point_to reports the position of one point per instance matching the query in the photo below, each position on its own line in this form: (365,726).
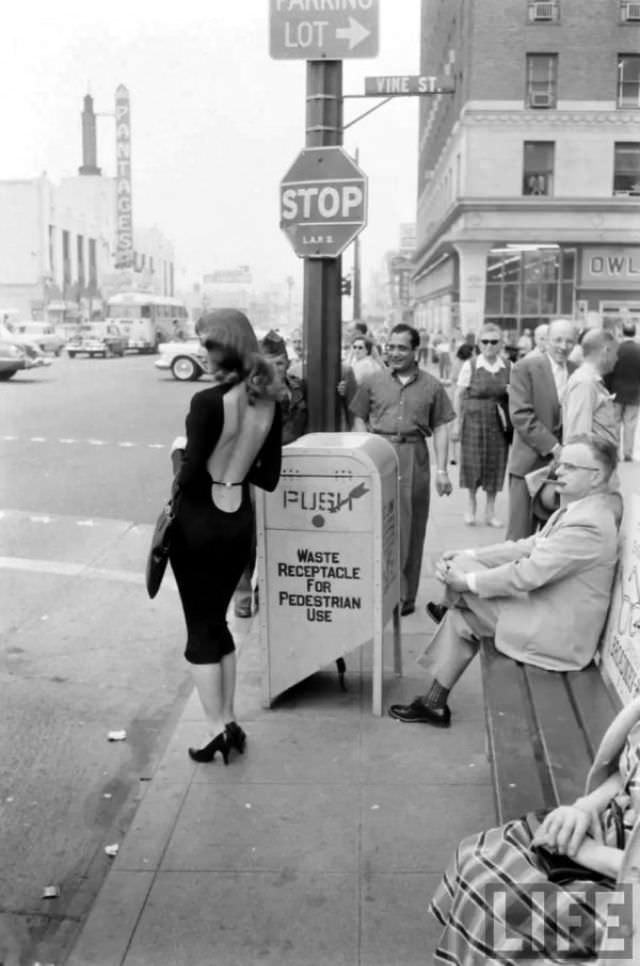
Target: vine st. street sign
(323,202)
(323,29)
(406,85)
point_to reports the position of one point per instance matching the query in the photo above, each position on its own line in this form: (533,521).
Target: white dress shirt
(560,376)
(464,377)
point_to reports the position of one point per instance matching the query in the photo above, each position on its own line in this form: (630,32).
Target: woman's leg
(490,514)
(209,685)
(472,506)
(228,665)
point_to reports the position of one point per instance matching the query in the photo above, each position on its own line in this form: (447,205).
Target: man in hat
(293,405)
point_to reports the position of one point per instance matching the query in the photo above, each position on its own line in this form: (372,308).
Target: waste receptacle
(328,558)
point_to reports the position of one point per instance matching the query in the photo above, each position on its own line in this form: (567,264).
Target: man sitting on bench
(544,598)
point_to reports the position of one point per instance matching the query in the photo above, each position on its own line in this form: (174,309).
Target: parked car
(97,339)
(187,361)
(13,358)
(41,335)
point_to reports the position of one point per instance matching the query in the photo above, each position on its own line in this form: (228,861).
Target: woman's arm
(265,471)
(204,424)
(565,829)
(600,858)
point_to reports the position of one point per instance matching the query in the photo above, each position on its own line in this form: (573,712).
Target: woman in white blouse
(480,403)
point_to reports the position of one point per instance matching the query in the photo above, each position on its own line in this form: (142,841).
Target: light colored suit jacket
(535,412)
(555,586)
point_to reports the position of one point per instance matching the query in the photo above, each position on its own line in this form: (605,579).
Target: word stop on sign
(317,203)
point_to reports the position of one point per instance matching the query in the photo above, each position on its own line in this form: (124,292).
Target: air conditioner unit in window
(543,11)
(540,99)
(631,11)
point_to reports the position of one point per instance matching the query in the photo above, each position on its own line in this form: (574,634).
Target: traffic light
(345,285)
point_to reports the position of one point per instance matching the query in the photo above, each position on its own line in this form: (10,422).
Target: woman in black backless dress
(233,439)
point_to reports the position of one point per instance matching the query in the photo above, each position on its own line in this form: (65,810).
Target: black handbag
(561,869)
(158,555)
(505,420)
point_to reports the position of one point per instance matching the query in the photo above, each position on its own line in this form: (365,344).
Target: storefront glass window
(525,288)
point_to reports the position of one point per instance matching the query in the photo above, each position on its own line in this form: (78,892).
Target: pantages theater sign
(124,216)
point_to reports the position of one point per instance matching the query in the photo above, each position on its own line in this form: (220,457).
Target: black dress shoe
(436,611)
(407,607)
(418,711)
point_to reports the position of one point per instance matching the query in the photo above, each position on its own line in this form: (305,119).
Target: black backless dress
(209,547)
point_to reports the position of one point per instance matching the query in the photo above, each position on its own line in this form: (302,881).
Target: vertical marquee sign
(124,216)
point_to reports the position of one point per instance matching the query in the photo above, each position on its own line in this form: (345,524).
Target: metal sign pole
(322,312)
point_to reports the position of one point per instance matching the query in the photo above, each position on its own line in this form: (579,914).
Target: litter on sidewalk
(117,736)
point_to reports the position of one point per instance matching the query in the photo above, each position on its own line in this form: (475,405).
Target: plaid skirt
(497,908)
(483,447)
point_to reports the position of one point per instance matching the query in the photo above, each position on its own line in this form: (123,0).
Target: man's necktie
(552,522)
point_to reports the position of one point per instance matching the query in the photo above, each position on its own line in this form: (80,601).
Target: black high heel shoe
(236,737)
(208,753)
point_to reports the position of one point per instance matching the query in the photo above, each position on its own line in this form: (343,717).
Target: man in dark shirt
(624,382)
(406,405)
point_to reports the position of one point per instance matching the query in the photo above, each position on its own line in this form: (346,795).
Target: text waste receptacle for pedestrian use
(328,556)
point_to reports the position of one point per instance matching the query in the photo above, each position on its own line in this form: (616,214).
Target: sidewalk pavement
(323,844)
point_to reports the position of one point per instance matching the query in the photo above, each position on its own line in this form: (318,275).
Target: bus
(147,319)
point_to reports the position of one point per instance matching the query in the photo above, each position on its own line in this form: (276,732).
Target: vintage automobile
(97,339)
(41,335)
(187,361)
(13,358)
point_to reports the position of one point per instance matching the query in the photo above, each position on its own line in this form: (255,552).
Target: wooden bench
(543,729)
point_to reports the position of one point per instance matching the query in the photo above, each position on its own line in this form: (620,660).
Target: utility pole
(322,324)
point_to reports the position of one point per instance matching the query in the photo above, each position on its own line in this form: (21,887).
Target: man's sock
(436,697)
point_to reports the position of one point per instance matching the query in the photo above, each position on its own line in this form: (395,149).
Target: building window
(628,80)
(93,267)
(542,76)
(626,168)
(525,287)
(66,261)
(81,274)
(537,177)
(544,11)
(52,252)
(629,11)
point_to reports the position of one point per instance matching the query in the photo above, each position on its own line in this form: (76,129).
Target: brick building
(529,174)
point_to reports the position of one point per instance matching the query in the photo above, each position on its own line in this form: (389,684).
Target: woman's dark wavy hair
(252,369)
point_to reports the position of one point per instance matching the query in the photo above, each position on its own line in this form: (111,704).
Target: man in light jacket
(544,598)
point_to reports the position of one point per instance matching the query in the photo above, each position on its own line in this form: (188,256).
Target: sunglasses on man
(489,341)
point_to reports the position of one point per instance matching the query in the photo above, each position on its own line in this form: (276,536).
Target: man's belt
(400,437)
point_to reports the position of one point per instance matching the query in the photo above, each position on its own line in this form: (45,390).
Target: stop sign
(323,202)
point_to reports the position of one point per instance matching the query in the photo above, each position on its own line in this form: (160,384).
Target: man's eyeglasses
(576,466)
(489,341)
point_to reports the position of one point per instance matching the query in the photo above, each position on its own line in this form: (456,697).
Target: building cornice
(437,244)
(548,117)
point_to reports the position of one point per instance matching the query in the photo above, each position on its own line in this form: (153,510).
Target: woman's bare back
(244,430)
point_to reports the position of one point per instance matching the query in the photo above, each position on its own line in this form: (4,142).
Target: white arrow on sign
(355,33)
